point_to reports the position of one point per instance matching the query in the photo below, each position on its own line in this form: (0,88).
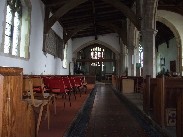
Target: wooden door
(96,71)
(173,66)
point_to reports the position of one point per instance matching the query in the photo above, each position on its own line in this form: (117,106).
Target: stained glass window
(97,53)
(65,56)
(12,30)
(141,55)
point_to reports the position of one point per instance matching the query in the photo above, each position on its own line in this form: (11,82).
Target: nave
(112,117)
(104,114)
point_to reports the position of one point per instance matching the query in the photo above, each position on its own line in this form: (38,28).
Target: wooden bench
(160,99)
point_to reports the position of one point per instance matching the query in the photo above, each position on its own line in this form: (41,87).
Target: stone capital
(149,30)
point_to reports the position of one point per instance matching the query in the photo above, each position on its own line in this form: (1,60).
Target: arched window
(97,53)
(17,26)
(65,56)
(13,26)
(141,55)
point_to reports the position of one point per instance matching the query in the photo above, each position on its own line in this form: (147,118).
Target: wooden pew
(150,85)
(114,80)
(160,96)
(16,116)
(179,123)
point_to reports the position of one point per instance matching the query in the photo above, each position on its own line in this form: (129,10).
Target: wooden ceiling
(81,18)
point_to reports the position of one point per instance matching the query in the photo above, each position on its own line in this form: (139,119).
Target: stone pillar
(131,61)
(130,65)
(120,63)
(117,65)
(148,43)
(178,64)
(122,59)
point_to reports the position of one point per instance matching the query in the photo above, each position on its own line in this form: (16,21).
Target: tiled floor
(110,117)
(137,100)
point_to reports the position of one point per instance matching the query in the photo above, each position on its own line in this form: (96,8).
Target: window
(97,53)
(65,56)
(141,55)
(17,26)
(13,26)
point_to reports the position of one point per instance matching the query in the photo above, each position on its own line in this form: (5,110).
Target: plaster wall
(170,54)
(111,39)
(38,63)
(175,19)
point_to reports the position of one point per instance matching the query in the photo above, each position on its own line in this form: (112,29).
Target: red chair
(57,87)
(46,81)
(84,83)
(73,83)
(68,85)
(78,83)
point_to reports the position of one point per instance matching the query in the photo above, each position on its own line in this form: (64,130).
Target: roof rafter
(126,11)
(75,31)
(61,11)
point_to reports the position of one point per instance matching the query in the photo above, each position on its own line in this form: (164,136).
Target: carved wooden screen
(173,66)
(53,44)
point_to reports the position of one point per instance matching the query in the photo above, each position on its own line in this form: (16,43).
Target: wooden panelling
(16,116)
(114,81)
(179,123)
(90,79)
(158,102)
(1,103)
(161,95)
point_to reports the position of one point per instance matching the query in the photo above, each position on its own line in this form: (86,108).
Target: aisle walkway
(111,118)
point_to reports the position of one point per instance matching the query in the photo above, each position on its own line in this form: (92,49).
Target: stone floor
(102,112)
(111,117)
(137,100)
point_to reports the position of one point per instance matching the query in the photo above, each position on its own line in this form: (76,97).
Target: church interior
(91,68)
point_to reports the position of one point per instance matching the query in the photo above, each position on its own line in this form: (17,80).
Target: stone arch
(95,42)
(172,28)
(177,38)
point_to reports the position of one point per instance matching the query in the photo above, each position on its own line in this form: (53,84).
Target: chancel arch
(177,39)
(95,42)
(96,59)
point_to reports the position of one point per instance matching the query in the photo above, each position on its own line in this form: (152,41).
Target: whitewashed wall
(170,54)
(110,39)
(38,62)
(175,19)
(2,16)
(59,68)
